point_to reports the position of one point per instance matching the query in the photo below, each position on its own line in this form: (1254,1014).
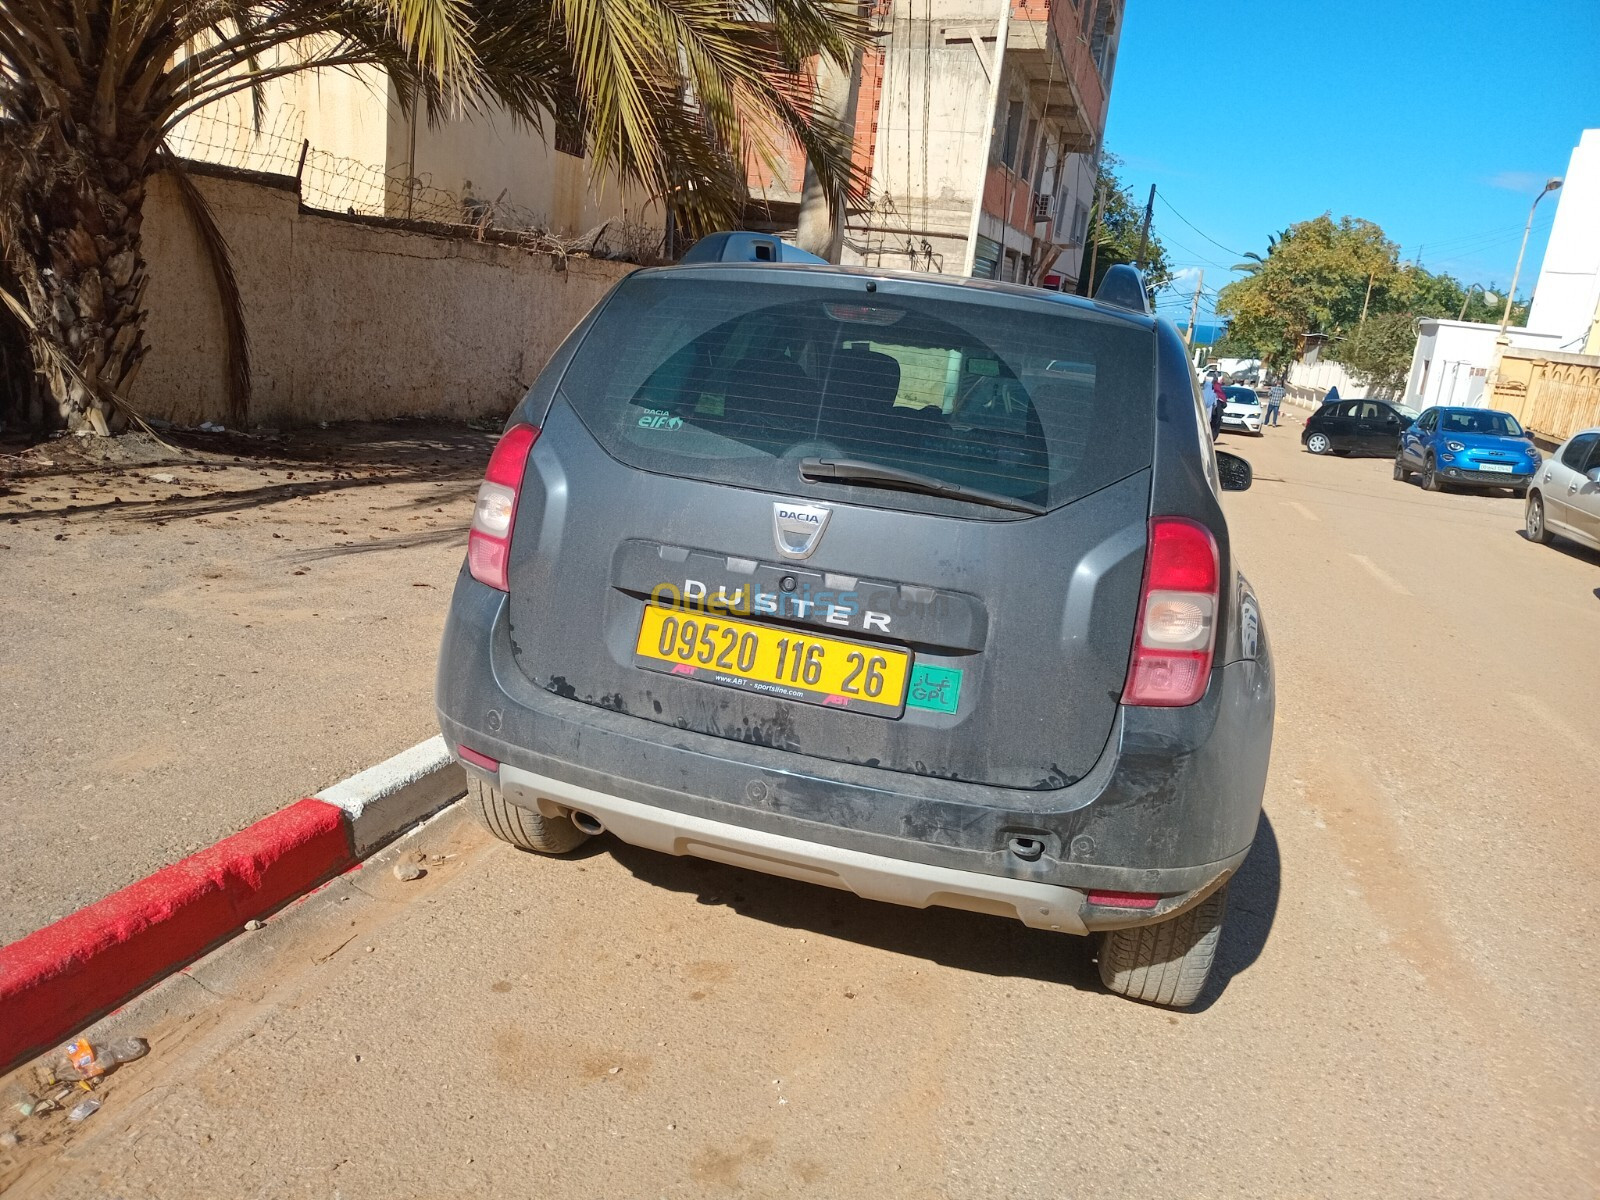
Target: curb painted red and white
(60,978)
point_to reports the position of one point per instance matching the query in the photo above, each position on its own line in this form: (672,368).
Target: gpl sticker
(937,689)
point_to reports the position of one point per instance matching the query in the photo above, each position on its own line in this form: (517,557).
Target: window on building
(1012,135)
(1080,223)
(1029,146)
(1102,40)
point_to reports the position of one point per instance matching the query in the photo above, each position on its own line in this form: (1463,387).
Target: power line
(1197,229)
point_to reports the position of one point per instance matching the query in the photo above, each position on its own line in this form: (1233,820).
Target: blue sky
(1438,120)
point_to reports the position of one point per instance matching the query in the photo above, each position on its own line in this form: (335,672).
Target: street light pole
(1505,315)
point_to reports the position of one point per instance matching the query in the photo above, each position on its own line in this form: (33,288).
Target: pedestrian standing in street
(1219,402)
(1274,403)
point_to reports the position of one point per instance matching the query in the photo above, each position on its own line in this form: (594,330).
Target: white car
(1242,411)
(1564,494)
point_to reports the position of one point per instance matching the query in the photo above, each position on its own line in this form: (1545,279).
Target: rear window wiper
(850,470)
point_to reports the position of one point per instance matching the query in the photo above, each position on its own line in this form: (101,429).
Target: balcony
(1047,46)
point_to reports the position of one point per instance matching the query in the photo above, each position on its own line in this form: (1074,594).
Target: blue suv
(1467,447)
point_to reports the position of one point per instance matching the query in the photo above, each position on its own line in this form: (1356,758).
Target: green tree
(672,94)
(1342,281)
(1314,280)
(1116,231)
(1378,351)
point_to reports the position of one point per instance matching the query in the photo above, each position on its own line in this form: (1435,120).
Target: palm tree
(1258,261)
(674,95)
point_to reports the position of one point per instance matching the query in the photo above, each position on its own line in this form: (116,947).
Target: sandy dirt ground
(1403,1006)
(192,640)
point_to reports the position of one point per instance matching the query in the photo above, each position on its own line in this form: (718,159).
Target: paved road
(1405,1005)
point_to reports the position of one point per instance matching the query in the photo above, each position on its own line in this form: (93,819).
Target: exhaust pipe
(587,822)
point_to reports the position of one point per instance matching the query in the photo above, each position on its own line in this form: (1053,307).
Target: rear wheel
(1169,962)
(1400,471)
(1318,443)
(523,829)
(1533,520)
(1430,477)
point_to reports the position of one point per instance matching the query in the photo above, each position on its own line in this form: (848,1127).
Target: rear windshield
(739,382)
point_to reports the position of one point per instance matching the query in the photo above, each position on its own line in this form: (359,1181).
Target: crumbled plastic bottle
(81,1060)
(84,1109)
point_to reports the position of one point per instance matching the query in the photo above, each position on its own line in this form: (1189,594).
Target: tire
(1318,443)
(523,829)
(1169,962)
(1400,471)
(1533,523)
(1430,478)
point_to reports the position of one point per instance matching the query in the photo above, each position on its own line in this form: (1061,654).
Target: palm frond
(218,257)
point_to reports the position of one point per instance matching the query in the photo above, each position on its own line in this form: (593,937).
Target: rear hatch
(885,522)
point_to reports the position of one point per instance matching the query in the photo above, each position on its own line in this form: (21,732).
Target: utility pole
(986,135)
(1194,310)
(1144,234)
(1371,275)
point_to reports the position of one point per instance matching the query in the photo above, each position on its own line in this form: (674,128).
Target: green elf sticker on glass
(937,689)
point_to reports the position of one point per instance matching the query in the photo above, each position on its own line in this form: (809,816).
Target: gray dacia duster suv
(912,586)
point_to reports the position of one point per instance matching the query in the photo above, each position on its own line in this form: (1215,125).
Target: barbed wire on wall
(222,134)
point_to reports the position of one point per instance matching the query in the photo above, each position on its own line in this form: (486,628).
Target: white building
(1453,359)
(1451,363)
(1567,296)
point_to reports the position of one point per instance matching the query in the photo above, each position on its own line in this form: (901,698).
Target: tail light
(1177,616)
(489,541)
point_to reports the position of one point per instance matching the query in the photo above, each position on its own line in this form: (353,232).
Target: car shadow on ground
(1571,549)
(964,941)
(1252,908)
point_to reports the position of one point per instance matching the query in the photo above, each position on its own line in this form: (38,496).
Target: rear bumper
(1171,807)
(871,876)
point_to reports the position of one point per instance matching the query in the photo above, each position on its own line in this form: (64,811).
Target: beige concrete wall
(1552,393)
(504,160)
(364,154)
(349,320)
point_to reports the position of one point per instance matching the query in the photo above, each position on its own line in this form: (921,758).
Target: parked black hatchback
(1356,426)
(911,586)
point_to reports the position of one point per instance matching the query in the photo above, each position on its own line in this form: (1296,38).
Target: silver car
(1564,497)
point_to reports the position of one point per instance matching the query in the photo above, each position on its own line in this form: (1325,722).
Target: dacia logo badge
(797,528)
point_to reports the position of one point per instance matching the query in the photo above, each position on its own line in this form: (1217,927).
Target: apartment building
(969,178)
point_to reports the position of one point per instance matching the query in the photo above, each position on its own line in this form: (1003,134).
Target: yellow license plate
(793,663)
